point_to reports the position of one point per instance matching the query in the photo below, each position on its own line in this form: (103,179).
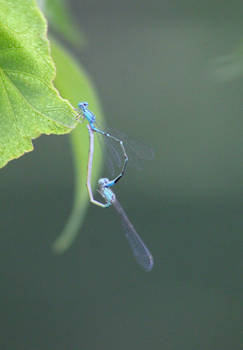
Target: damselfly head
(83,105)
(103,182)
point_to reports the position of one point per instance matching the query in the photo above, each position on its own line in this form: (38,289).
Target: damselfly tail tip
(147,264)
(150,264)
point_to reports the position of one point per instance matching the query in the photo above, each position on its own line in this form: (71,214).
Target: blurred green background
(165,73)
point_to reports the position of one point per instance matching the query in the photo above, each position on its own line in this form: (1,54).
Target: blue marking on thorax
(89,116)
(86,112)
(109,195)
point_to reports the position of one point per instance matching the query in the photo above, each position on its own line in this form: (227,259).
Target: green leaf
(74,84)
(29,103)
(61,20)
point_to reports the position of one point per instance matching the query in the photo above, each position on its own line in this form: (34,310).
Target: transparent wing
(137,151)
(112,155)
(139,249)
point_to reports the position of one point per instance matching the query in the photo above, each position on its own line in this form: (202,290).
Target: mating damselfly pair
(139,249)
